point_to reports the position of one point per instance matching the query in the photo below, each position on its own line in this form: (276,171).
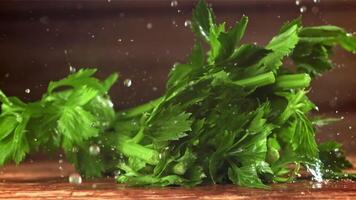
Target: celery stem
(257,81)
(292,81)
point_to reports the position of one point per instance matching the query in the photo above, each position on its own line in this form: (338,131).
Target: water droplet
(75,179)
(160,156)
(303,9)
(350,127)
(337,133)
(61,155)
(127,82)
(94,150)
(349,34)
(302,193)
(92,36)
(132,40)
(297,2)
(154,88)
(109,1)
(119,40)
(187,23)
(342,117)
(72,69)
(7,75)
(316,1)
(60,161)
(317,108)
(174,3)
(35,139)
(27,91)
(149,26)
(175,122)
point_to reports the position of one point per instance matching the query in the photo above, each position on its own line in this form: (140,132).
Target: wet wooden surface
(44,180)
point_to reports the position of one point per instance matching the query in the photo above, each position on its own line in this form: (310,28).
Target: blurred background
(42,40)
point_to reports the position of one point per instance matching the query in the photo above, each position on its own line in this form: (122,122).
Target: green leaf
(314,49)
(333,157)
(170,124)
(245,176)
(7,123)
(230,39)
(15,145)
(76,124)
(282,45)
(202,21)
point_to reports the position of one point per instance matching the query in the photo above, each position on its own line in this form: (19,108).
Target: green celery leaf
(170,124)
(245,176)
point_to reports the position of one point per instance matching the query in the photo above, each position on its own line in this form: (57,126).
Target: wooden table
(44,180)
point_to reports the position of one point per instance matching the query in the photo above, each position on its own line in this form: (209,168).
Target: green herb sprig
(235,114)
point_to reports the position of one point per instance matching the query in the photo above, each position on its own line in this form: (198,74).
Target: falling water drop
(297,2)
(75,179)
(174,3)
(303,9)
(317,108)
(72,69)
(149,26)
(27,91)
(316,1)
(187,23)
(127,82)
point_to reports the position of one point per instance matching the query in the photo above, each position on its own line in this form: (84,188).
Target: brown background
(34,36)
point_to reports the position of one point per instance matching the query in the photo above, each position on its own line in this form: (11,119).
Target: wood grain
(42,181)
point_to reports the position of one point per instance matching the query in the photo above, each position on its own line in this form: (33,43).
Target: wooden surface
(44,180)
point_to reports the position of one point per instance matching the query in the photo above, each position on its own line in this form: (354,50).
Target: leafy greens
(235,114)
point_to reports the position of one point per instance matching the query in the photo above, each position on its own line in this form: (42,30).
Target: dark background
(141,40)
